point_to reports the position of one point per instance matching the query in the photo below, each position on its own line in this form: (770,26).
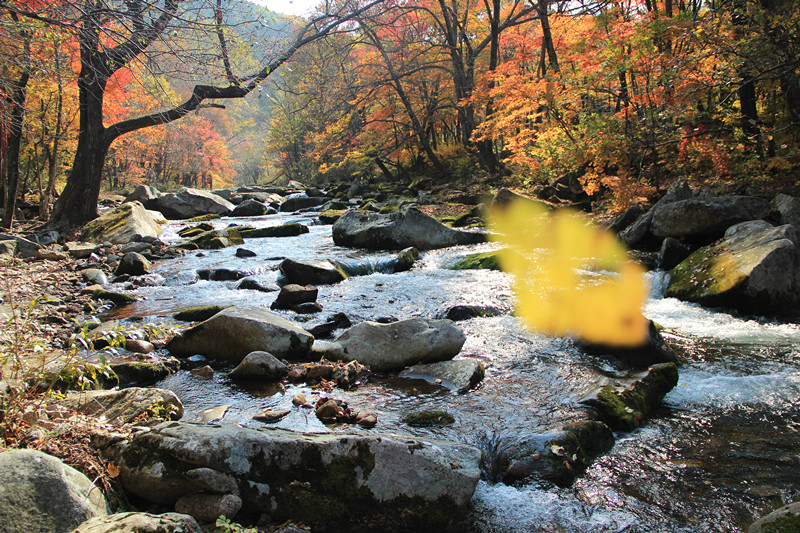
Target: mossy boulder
(121,225)
(783,520)
(291,229)
(204,218)
(339,482)
(216,239)
(323,272)
(752,270)
(329,216)
(198,314)
(624,408)
(482,260)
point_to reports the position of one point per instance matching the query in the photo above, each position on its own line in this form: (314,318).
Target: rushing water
(722,450)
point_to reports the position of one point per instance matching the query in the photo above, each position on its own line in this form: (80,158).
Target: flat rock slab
(236,331)
(126,405)
(140,523)
(460,375)
(343,481)
(398,230)
(394,346)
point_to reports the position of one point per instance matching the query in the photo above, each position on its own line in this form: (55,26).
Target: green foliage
(225,525)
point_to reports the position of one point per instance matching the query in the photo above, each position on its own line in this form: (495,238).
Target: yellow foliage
(546,251)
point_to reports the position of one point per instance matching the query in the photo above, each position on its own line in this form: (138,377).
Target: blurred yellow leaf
(112,469)
(549,254)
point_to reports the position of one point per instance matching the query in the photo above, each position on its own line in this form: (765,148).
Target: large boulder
(249,208)
(752,269)
(133,264)
(323,272)
(398,230)
(236,331)
(260,365)
(302,201)
(788,209)
(144,194)
(216,239)
(339,481)
(639,232)
(705,219)
(130,221)
(394,346)
(190,203)
(140,523)
(40,494)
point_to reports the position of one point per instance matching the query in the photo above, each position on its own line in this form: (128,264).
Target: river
(723,449)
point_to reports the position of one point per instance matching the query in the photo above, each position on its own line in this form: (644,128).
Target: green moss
(388,209)
(484,260)
(188,233)
(429,418)
(198,314)
(287,230)
(203,218)
(331,215)
(214,240)
(140,373)
(108,223)
(785,524)
(188,246)
(571,454)
(705,276)
(625,408)
(117,298)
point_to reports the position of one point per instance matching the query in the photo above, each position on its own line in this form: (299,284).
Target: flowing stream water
(722,450)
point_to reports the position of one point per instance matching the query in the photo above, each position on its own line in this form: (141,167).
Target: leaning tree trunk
(78,201)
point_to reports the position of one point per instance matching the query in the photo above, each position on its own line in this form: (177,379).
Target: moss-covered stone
(189,246)
(117,298)
(203,218)
(387,209)
(214,240)
(784,524)
(140,373)
(483,260)
(331,215)
(82,375)
(429,418)
(192,231)
(291,229)
(198,314)
(624,408)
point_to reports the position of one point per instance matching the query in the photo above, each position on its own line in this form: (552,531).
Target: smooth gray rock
(459,375)
(402,229)
(301,201)
(144,194)
(40,494)
(639,232)
(260,365)
(189,203)
(323,272)
(294,294)
(254,284)
(81,250)
(756,270)
(133,264)
(788,209)
(236,331)
(341,481)
(394,346)
(126,405)
(249,208)
(706,218)
(22,247)
(140,523)
(95,276)
(121,225)
(8,247)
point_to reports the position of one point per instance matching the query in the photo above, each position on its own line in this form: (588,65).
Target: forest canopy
(624,96)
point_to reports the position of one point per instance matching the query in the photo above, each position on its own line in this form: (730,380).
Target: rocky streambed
(518,446)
